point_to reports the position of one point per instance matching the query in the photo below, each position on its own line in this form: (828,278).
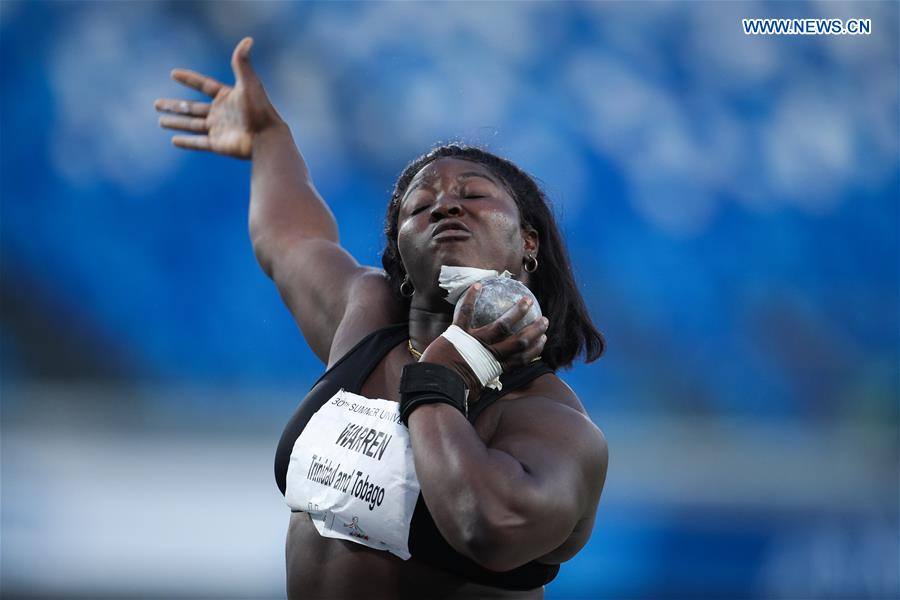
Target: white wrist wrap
(479,358)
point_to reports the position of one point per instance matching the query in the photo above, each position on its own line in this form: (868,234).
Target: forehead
(452,168)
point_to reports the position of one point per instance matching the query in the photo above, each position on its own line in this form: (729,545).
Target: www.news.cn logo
(807,26)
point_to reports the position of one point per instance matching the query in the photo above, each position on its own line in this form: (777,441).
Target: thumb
(240,61)
(463,317)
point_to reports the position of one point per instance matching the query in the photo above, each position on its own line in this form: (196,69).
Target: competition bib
(352,470)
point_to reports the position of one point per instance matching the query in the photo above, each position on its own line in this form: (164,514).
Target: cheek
(507,227)
(403,240)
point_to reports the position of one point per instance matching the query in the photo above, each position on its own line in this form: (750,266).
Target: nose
(447,205)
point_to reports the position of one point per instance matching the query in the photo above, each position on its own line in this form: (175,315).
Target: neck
(428,322)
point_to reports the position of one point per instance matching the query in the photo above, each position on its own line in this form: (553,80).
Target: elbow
(496,554)
(263,251)
(270,248)
(497,542)
(511,535)
(493,558)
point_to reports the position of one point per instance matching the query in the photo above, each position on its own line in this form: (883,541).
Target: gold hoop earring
(408,290)
(531,263)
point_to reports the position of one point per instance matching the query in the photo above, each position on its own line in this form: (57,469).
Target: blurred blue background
(731,208)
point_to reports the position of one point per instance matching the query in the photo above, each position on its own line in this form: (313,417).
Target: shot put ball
(497,295)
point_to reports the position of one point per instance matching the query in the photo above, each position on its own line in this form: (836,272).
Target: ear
(530,239)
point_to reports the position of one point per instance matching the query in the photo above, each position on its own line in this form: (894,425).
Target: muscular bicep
(561,457)
(316,279)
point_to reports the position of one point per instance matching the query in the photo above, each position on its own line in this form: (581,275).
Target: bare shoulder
(547,413)
(371,305)
(551,388)
(549,396)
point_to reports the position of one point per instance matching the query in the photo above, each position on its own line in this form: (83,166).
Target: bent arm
(294,234)
(519,497)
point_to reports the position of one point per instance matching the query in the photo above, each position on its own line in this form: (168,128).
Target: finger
(467,307)
(202,83)
(192,124)
(535,352)
(191,142)
(514,357)
(182,107)
(529,334)
(504,326)
(522,347)
(240,61)
(529,355)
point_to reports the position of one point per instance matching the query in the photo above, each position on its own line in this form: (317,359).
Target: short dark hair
(553,284)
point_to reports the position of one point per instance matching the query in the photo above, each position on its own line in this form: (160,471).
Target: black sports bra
(425,541)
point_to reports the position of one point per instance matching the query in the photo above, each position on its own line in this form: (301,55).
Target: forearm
(284,204)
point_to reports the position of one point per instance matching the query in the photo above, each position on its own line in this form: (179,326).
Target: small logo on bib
(355,530)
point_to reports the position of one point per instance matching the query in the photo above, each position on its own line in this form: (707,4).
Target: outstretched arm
(294,234)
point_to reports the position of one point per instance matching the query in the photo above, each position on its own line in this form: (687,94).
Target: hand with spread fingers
(235,116)
(510,348)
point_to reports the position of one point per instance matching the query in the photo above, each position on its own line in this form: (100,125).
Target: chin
(466,255)
(460,260)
